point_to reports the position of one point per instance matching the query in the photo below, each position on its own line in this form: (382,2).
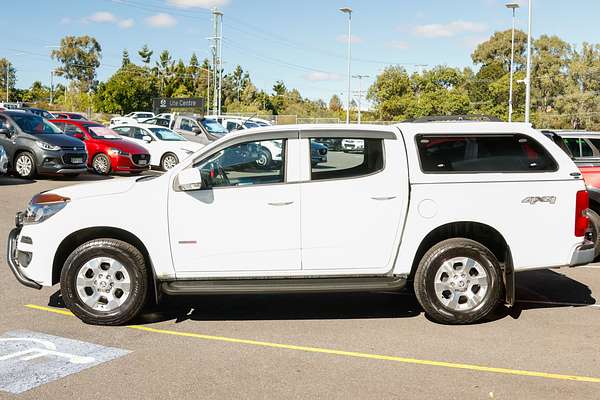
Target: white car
(353,145)
(270,154)
(166,147)
(454,209)
(131,118)
(3,161)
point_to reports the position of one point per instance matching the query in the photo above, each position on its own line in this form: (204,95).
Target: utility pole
(513,7)
(51,86)
(528,78)
(216,47)
(360,92)
(6,65)
(348,11)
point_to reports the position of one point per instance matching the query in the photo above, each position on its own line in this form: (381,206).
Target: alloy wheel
(103,284)
(461,283)
(24,165)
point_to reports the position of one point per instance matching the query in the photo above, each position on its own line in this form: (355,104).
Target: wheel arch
(479,232)
(77,238)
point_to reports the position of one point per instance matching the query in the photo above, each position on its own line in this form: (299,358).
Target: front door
(243,219)
(352,210)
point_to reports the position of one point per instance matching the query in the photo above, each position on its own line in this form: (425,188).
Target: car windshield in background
(35,125)
(145,116)
(249,124)
(213,126)
(101,132)
(166,134)
(77,116)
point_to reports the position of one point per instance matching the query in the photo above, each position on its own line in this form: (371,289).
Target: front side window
(482,153)
(232,126)
(241,165)
(167,134)
(126,131)
(187,125)
(579,147)
(359,157)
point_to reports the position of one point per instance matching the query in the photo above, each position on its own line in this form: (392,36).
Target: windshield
(166,134)
(35,125)
(213,126)
(101,132)
(145,116)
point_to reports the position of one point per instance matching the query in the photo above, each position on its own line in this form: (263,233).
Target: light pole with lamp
(528,77)
(348,10)
(513,7)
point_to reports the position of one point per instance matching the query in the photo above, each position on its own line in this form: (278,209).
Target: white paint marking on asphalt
(30,359)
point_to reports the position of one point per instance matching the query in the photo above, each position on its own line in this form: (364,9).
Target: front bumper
(127,164)
(13,264)
(583,254)
(62,162)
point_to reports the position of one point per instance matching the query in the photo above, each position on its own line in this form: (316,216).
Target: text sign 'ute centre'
(184,102)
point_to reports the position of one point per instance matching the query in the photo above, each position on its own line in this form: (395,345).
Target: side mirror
(79,136)
(147,138)
(196,130)
(189,179)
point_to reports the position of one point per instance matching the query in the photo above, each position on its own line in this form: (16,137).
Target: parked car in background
(10,105)
(434,225)
(131,118)
(69,115)
(198,129)
(107,150)
(36,146)
(39,112)
(3,161)
(353,145)
(166,148)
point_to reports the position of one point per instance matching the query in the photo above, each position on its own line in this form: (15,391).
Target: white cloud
(322,76)
(353,39)
(397,44)
(450,29)
(161,20)
(197,3)
(125,23)
(102,16)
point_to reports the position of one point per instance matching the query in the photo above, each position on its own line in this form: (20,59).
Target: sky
(303,43)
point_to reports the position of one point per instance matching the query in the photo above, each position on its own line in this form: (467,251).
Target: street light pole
(6,65)
(528,77)
(513,7)
(51,86)
(348,10)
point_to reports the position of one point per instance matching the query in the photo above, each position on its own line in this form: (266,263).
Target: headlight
(48,146)
(42,206)
(116,152)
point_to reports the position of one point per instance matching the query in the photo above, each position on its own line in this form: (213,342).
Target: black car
(34,145)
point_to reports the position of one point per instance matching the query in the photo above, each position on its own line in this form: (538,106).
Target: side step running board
(286,285)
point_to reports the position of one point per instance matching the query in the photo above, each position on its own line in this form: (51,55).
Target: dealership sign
(183,102)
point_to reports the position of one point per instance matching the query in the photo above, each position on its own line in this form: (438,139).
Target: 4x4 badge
(539,199)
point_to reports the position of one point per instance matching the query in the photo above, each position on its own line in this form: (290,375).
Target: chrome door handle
(281,203)
(384,198)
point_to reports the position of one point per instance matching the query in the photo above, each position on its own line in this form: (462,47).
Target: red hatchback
(107,151)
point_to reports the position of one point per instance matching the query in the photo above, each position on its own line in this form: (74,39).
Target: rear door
(353,205)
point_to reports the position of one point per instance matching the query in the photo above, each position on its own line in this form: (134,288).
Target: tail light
(581,219)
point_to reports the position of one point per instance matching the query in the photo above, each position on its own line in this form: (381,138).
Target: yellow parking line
(404,360)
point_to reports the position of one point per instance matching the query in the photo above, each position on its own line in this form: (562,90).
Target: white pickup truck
(452,208)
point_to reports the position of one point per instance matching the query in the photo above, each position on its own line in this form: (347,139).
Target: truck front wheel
(458,281)
(104,282)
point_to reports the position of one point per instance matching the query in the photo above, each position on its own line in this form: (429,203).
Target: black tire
(133,262)
(425,278)
(26,157)
(164,160)
(101,164)
(594,230)
(265,159)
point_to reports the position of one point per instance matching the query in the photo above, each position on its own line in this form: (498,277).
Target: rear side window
(343,158)
(483,153)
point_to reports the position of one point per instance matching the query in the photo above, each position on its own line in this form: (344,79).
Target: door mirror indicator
(189,179)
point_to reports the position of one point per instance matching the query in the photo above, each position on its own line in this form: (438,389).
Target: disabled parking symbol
(30,359)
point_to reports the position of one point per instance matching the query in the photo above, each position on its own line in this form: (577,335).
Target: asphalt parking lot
(371,346)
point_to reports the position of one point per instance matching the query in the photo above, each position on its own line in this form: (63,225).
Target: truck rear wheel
(104,282)
(594,230)
(458,281)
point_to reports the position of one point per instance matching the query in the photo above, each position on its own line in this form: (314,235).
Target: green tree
(391,93)
(129,89)
(497,49)
(551,59)
(145,54)
(80,57)
(6,68)
(335,103)
(37,92)
(125,58)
